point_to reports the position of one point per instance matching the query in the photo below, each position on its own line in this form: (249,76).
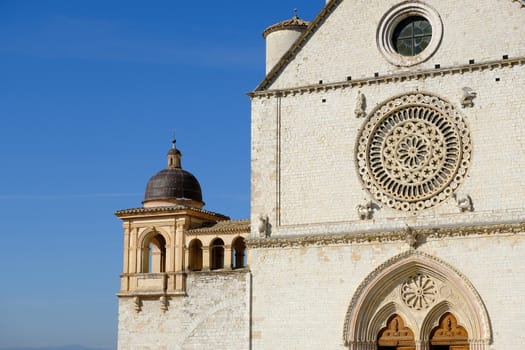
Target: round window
(412,35)
(409,33)
(413,152)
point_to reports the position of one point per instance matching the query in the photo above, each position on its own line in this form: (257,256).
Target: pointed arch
(372,302)
(381,317)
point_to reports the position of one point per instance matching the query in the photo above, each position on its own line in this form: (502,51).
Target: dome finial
(296,13)
(174,155)
(174,141)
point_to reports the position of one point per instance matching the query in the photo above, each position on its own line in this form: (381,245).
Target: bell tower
(177,258)
(154,244)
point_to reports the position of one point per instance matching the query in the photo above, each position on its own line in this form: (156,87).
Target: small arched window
(195,255)
(217,254)
(154,260)
(238,253)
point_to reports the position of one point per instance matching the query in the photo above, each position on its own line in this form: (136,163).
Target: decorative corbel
(138,304)
(164,303)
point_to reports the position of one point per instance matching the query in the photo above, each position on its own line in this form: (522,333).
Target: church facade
(387,205)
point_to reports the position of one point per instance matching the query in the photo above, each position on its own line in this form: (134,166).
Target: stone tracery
(374,302)
(413,152)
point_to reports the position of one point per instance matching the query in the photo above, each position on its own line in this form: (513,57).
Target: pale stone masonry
(213,314)
(387,192)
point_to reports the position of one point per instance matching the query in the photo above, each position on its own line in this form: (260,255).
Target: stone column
(227,256)
(133,253)
(180,227)
(205,258)
(422,345)
(124,281)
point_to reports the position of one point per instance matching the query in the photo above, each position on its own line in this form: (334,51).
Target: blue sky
(90,94)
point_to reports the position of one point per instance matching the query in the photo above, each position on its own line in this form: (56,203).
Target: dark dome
(173,184)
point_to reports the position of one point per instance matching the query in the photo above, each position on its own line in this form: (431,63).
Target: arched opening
(395,336)
(448,335)
(154,260)
(238,253)
(195,255)
(414,282)
(217,254)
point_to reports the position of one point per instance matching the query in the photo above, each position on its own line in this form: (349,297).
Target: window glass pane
(412,35)
(404,47)
(420,44)
(406,31)
(422,27)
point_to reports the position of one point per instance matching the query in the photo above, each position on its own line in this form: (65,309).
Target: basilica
(387,196)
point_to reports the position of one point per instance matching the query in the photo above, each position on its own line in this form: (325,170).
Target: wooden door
(396,335)
(448,334)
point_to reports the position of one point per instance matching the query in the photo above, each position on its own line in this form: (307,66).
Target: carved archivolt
(413,152)
(428,288)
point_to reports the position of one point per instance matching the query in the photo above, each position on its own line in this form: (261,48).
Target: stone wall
(213,315)
(345,43)
(304,136)
(302,293)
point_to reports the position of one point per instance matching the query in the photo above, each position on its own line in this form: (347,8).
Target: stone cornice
(393,78)
(166,211)
(386,236)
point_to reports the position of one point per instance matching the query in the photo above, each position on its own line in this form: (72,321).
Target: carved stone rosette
(413,152)
(419,292)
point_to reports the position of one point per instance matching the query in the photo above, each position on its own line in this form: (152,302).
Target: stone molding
(169,210)
(389,23)
(367,306)
(392,78)
(385,236)
(303,39)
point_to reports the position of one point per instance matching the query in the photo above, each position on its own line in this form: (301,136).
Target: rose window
(413,152)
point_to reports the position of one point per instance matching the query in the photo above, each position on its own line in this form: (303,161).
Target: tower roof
(294,23)
(173,185)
